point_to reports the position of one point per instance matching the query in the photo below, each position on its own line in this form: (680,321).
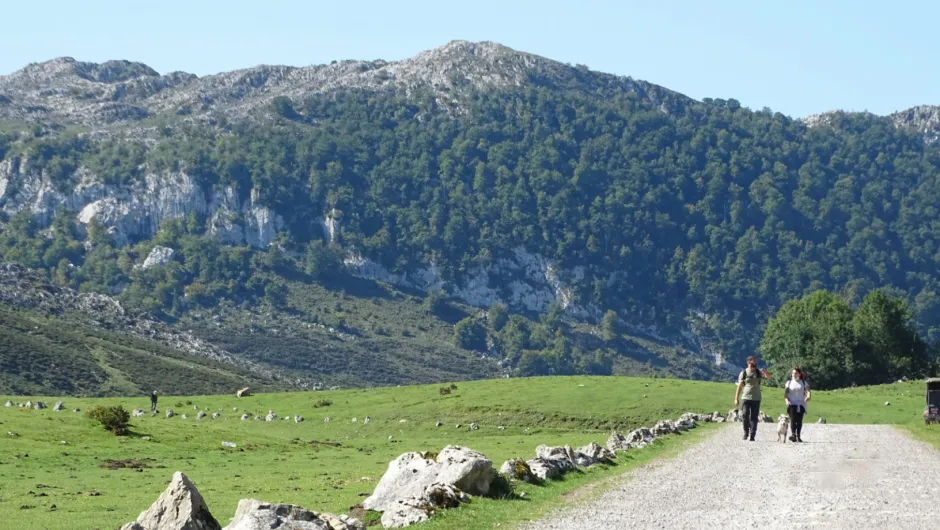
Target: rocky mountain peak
(67,91)
(924,119)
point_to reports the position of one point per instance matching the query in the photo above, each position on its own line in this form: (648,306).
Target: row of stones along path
(858,477)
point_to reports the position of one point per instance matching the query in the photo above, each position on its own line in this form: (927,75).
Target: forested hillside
(692,220)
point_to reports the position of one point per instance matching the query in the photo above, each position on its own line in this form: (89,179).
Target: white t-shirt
(797,392)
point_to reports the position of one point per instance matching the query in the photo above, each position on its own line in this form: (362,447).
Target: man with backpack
(748,395)
(153,401)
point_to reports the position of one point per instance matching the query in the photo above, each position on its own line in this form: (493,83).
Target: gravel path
(843,476)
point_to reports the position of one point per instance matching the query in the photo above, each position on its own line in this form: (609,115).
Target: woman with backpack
(796,393)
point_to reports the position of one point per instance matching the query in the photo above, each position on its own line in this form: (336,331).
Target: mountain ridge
(261,83)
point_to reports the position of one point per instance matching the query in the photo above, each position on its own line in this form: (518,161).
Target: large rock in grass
(180,507)
(437,496)
(253,514)
(664,427)
(58,407)
(635,439)
(517,469)
(409,475)
(549,468)
(596,453)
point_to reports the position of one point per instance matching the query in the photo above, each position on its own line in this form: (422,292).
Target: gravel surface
(843,476)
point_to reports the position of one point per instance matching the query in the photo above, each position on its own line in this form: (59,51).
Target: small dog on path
(783,424)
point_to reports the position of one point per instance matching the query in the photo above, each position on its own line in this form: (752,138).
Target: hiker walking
(153,401)
(748,395)
(796,393)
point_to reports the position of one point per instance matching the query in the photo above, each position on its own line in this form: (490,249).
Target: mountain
(66,91)
(470,212)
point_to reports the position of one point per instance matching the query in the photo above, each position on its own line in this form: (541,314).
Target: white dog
(783,424)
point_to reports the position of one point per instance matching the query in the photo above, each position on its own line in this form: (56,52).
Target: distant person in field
(797,394)
(748,395)
(153,401)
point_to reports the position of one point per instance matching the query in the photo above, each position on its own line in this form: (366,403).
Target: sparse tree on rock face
(610,326)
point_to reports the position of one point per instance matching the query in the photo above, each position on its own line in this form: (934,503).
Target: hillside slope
(583,204)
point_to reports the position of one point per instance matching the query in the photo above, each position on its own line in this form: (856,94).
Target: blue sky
(798,57)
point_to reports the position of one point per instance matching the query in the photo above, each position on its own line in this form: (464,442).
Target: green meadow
(60,470)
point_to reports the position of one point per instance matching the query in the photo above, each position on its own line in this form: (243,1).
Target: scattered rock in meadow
(821,420)
(298,419)
(245,417)
(170,413)
(137,413)
(58,407)
(201,415)
(180,507)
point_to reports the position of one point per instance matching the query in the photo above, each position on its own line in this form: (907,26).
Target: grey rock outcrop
(411,473)
(180,507)
(58,407)
(253,514)
(170,413)
(158,256)
(39,405)
(201,415)
(8,404)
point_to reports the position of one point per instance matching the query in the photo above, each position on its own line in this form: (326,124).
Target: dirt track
(844,476)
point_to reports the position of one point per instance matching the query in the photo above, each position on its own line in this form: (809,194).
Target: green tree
(469,334)
(814,333)
(322,261)
(892,345)
(275,293)
(497,316)
(434,302)
(533,363)
(610,326)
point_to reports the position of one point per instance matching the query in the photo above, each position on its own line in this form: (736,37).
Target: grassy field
(331,466)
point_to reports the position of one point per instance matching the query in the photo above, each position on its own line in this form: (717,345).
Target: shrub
(323,403)
(444,390)
(113,418)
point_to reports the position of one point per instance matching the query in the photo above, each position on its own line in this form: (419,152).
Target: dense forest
(705,211)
